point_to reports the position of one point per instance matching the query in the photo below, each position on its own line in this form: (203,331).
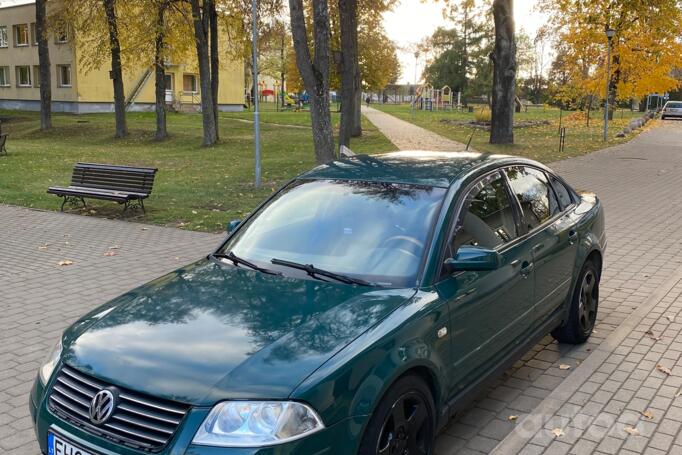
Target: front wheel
(584,305)
(403,422)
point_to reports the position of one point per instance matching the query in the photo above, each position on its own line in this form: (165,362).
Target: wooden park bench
(126,185)
(3,142)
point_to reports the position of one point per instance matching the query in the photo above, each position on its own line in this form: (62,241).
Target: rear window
(674,105)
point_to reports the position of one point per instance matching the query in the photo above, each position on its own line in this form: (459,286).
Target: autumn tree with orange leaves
(646,47)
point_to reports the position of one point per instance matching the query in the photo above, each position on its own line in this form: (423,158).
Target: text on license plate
(58,446)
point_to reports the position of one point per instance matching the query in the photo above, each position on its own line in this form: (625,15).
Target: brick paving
(639,185)
(39,299)
(408,136)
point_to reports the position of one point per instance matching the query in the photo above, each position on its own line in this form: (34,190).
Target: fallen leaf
(558,432)
(678,394)
(144,229)
(632,431)
(563,366)
(664,369)
(651,335)
(512,418)
(43,247)
(648,414)
(65,262)
(194,212)
(671,318)
(110,253)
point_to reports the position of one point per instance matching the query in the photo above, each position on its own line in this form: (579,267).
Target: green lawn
(539,142)
(196,188)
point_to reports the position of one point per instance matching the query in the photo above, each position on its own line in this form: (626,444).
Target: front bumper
(341,438)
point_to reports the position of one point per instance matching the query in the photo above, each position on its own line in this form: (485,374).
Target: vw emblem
(101,407)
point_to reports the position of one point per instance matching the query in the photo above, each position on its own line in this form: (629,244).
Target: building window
(23,76)
(34,35)
(21,33)
(4,76)
(64,75)
(3,36)
(36,76)
(189,83)
(61,34)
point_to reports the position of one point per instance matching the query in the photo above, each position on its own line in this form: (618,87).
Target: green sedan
(354,312)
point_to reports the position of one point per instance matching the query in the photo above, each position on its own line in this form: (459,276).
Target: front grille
(139,421)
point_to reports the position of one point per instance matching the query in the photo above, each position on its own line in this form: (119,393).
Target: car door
(488,309)
(551,235)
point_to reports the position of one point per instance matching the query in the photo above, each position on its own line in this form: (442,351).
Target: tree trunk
(160,73)
(215,59)
(44,59)
(356,130)
(201,41)
(315,72)
(116,69)
(349,68)
(504,74)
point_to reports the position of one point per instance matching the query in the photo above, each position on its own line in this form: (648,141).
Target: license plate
(60,446)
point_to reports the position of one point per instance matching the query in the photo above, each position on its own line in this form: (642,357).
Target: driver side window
(487,217)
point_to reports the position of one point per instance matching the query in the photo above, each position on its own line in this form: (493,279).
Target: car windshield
(674,105)
(375,231)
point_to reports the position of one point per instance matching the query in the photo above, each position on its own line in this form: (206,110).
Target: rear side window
(535,195)
(674,105)
(562,193)
(487,217)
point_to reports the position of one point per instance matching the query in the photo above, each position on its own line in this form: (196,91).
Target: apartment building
(77,90)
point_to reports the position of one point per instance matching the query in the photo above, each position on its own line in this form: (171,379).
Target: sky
(412,20)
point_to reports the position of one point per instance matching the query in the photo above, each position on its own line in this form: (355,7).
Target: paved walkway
(39,298)
(408,136)
(612,378)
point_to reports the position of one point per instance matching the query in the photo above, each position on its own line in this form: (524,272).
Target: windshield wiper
(236,260)
(316,273)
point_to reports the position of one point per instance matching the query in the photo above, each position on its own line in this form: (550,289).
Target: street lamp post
(414,97)
(609,35)
(256,112)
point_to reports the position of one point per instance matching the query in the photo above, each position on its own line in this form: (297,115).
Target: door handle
(526,268)
(538,247)
(572,236)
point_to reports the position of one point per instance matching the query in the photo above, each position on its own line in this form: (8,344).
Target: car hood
(209,332)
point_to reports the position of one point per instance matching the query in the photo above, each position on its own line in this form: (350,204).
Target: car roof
(426,168)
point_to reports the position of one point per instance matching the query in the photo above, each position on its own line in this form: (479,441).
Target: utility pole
(256,112)
(609,35)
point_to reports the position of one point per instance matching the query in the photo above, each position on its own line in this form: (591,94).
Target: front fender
(352,383)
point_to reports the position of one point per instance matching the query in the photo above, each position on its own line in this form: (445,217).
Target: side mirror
(232,225)
(472,258)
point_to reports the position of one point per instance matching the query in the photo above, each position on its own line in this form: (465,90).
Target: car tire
(404,421)
(582,314)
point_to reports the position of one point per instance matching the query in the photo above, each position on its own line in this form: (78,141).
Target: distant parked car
(352,313)
(672,109)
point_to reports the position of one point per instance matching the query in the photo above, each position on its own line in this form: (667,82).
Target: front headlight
(257,423)
(50,363)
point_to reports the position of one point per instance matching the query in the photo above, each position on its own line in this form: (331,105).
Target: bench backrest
(116,178)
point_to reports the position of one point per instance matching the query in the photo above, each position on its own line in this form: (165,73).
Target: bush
(483,115)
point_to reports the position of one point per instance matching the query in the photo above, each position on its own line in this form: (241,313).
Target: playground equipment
(428,98)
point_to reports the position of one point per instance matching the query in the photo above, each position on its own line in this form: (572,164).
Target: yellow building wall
(11,56)
(96,87)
